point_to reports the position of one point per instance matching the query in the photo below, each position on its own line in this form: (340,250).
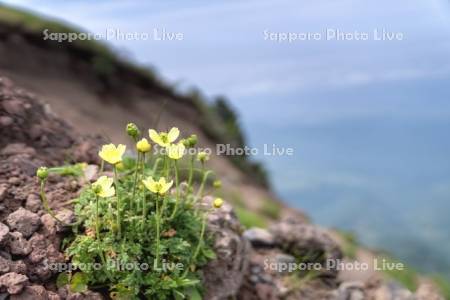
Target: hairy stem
(191,172)
(132,200)
(119,204)
(202,185)
(177,183)
(49,210)
(200,242)
(157,219)
(97,225)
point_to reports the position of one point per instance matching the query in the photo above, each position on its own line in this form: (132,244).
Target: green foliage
(407,277)
(128,265)
(350,244)
(443,285)
(250,219)
(271,209)
(133,234)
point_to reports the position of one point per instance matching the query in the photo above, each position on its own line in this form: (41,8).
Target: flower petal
(121,149)
(166,187)
(154,136)
(173,134)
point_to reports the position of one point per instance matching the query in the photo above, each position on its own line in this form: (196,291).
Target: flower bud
(192,140)
(186,143)
(218,202)
(217,184)
(132,130)
(42,173)
(202,157)
(143,145)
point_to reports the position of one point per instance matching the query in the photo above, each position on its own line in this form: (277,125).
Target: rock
(223,276)
(18,266)
(48,225)
(6,121)
(377,289)
(3,191)
(13,282)
(428,291)
(90,173)
(14,180)
(32,292)
(14,107)
(88,295)
(353,290)
(18,245)
(4,230)
(17,148)
(24,221)
(307,241)
(33,203)
(4,265)
(65,215)
(259,237)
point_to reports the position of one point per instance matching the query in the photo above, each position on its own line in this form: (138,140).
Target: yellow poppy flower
(158,187)
(164,139)
(218,202)
(176,151)
(103,187)
(112,154)
(143,145)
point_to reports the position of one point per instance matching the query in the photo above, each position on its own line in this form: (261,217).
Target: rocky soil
(31,136)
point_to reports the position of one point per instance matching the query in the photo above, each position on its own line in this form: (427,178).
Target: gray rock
(4,265)
(4,230)
(18,266)
(32,292)
(307,241)
(223,276)
(18,245)
(13,282)
(17,148)
(33,203)
(428,291)
(3,191)
(353,290)
(24,221)
(90,173)
(259,237)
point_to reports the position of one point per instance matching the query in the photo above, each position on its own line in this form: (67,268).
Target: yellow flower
(164,139)
(143,145)
(158,187)
(202,156)
(103,187)
(218,202)
(176,151)
(112,154)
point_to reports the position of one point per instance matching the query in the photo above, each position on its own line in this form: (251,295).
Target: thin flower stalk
(97,217)
(136,171)
(177,185)
(119,204)
(202,185)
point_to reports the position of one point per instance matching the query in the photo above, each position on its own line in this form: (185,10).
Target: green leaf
(194,294)
(78,284)
(62,279)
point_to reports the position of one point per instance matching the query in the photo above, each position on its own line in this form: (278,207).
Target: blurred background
(369,121)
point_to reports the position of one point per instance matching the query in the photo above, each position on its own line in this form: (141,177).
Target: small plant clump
(139,233)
